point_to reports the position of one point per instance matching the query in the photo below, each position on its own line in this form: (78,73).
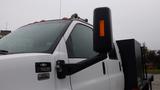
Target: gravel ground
(156,82)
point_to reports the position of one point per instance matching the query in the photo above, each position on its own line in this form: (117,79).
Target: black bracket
(64,69)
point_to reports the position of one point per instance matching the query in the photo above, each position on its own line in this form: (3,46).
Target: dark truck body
(133,65)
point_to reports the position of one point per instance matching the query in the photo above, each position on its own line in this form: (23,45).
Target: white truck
(65,54)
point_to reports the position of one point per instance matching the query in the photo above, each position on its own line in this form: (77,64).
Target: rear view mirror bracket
(64,69)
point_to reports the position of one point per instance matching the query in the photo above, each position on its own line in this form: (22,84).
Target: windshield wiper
(3,52)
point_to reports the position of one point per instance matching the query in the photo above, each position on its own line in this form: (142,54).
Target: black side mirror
(102,34)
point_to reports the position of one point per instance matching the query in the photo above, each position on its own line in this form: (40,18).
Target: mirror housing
(102,30)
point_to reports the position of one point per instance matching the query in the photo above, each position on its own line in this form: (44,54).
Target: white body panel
(17,72)
(91,78)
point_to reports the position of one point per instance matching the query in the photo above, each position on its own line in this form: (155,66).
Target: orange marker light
(101,28)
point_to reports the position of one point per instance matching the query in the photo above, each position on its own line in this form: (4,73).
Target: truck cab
(29,54)
(63,54)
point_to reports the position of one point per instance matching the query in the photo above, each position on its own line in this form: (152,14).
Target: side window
(80,42)
(113,54)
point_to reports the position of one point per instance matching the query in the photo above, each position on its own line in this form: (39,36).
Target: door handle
(120,66)
(104,68)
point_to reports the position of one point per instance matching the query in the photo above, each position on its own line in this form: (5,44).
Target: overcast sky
(139,19)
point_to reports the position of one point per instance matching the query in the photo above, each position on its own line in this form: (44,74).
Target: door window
(80,42)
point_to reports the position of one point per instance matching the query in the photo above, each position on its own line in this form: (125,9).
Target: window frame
(115,52)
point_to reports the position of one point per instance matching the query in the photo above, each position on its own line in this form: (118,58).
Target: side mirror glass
(102,30)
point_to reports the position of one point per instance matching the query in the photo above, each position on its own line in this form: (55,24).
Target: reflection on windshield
(39,37)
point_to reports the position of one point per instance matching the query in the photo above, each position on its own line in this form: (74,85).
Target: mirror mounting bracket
(64,69)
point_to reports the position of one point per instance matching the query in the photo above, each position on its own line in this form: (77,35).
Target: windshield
(34,38)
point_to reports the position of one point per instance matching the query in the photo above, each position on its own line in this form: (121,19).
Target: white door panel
(91,78)
(79,45)
(115,75)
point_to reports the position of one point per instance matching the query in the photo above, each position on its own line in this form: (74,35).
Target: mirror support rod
(68,69)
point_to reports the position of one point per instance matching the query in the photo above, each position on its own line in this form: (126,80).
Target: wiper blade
(3,52)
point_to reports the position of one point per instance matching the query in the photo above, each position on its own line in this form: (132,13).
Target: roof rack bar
(75,16)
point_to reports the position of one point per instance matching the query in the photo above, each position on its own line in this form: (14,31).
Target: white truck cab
(59,55)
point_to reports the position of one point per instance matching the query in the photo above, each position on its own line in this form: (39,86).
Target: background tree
(151,56)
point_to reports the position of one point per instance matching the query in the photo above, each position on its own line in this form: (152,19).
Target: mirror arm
(68,69)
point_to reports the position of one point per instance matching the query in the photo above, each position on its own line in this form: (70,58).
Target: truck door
(115,71)
(80,47)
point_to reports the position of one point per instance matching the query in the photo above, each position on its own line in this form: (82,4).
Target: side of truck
(134,65)
(65,54)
